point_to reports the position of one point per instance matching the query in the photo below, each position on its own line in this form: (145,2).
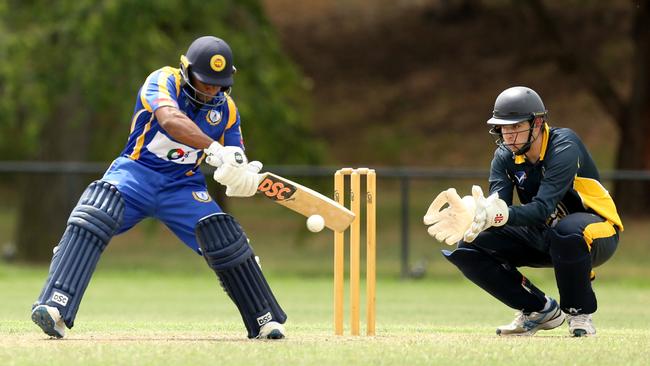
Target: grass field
(142,317)
(154,302)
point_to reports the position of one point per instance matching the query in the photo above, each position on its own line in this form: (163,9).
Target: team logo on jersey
(213,117)
(520,176)
(218,62)
(202,196)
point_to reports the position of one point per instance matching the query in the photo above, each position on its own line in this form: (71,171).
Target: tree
(632,114)
(71,71)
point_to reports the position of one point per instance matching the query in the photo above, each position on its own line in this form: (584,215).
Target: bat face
(305,201)
(277,188)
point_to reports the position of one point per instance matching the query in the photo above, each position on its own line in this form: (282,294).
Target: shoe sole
(42,318)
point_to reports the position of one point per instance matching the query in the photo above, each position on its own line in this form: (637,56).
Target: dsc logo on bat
(276,189)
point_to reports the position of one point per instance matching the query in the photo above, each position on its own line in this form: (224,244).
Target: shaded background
(327,83)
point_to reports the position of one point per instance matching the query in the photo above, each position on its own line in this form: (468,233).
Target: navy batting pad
(226,249)
(91,225)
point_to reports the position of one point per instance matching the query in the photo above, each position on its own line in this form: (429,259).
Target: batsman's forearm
(183,129)
(188,134)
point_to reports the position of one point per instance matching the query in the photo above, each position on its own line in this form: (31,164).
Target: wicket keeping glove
(240,180)
(449,224)
(217,155)
(490,211)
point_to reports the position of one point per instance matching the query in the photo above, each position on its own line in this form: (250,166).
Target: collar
(520,159)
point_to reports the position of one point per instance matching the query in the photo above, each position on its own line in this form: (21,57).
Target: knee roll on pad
(498,279)
(226,249)
(91,225)
(572,263)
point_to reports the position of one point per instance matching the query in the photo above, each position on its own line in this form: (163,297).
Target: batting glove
(217,155)
(240,181)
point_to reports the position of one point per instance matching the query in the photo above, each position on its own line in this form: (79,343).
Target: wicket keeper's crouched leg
(90,227)
(225,247)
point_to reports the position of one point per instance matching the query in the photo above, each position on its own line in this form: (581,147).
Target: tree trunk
(632,116)
(47,199)
(633,197)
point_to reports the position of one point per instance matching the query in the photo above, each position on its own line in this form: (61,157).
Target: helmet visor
(512,119)
(212,79)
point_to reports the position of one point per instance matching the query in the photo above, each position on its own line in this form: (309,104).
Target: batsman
(181,116)
(566,220)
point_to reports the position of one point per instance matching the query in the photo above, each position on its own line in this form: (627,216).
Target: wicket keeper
(181,116)
(566,220)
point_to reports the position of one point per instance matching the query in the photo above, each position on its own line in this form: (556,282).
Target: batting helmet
(208,60)
(517,104)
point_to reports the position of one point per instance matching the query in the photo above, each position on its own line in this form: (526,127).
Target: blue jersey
(151,146)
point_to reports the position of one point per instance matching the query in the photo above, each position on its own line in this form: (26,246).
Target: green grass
(152,301)
(144,317)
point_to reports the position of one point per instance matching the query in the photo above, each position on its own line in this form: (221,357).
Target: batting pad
(226,249)
(91,225)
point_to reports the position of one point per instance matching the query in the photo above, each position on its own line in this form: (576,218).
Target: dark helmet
(209,60)
(515,105)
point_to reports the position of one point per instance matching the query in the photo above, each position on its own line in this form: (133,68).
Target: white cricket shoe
(528,324)
(50,320)
(271,330)
(581,325)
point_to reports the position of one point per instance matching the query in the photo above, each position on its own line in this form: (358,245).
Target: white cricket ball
(315,223)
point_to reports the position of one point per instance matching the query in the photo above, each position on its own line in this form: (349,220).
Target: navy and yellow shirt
(565,180)
(152,147)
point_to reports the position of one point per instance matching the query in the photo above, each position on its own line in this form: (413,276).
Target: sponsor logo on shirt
(166,149)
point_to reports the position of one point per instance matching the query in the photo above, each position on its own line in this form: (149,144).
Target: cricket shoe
(49,319)
(581,325)
(271,330)
(528,324)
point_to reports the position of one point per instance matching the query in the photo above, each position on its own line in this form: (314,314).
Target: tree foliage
(92,56)
(630,110)
(72,69)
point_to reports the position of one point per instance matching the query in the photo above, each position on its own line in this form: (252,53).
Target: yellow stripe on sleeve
(177,76)
(135,155)
(143,94)
(135,119)
(163,91)
(598,230)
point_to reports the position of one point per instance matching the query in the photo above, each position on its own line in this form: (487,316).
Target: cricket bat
(305,201)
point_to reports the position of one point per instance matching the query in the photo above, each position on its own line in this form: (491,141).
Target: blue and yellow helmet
(209,60)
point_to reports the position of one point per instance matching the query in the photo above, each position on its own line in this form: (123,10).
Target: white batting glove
(449,224)
(490,211)
(240,181)
(217,155)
